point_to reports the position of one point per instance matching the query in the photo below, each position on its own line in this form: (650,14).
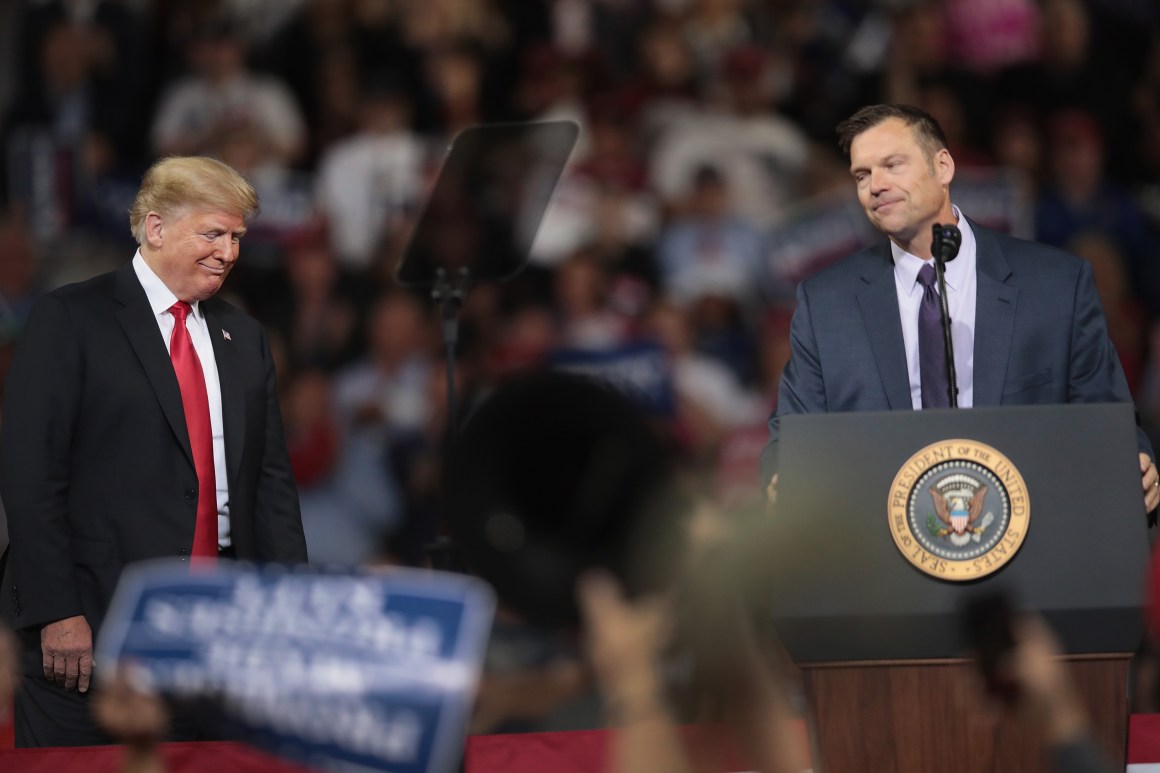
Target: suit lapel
(995,305)
(137,320)
(232,390)
(878,301)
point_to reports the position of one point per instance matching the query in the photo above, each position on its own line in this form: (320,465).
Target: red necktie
(196,403)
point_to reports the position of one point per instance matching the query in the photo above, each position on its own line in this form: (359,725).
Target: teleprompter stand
(478,225)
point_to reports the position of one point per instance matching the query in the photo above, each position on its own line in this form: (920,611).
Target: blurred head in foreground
(556,474)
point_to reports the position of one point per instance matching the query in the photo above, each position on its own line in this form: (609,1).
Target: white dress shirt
(161,298)
(961,294)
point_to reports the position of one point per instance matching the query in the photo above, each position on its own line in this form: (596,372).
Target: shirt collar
(161,298)
(907,266)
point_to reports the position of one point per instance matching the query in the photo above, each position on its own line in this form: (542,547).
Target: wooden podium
(881,645)
(913,717)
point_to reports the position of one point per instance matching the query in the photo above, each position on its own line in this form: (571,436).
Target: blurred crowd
(705,184)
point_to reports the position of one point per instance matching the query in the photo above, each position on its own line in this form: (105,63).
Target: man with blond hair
(140,421)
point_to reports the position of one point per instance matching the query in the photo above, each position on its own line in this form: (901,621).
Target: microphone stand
(944,250)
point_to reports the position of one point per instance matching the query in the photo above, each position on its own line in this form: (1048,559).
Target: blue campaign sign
(640,369)
(340,671)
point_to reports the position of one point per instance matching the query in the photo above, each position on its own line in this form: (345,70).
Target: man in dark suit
(1027,326)
(140,421)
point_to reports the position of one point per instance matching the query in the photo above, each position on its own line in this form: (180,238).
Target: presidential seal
(958,510)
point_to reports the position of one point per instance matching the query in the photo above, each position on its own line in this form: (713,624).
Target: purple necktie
(932,355)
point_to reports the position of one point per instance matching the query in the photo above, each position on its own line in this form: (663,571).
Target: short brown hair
(927,132)
(177,182)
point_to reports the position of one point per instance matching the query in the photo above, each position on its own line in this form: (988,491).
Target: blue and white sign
(343,672)
(640,369)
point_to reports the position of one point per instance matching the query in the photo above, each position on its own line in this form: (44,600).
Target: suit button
(190,493)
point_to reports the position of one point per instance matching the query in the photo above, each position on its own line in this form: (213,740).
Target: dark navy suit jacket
(1040,336)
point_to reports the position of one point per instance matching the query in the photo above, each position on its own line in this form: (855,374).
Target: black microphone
(945,241)
(944,245)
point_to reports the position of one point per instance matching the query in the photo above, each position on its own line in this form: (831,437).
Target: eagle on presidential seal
(958,503)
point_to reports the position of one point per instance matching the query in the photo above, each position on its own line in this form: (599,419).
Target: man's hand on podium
(1150,479)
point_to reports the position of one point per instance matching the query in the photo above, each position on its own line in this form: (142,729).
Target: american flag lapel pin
(226,334)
